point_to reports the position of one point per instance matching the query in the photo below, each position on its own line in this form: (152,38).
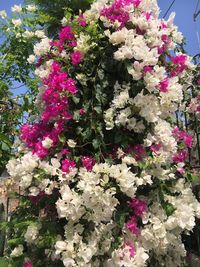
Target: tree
(18,35)
(53,11)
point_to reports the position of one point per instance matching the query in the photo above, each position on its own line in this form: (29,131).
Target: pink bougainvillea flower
(155,148)
(139,152)
(147,15)
(188,139)
(148,69)
(132,226)
(82,111)
(180,170)
(66,34)
(163,85)
(180,65)
(129,244)
(65,151)
(82,21)
(88,162)
(180,156)
(115,12)
(28,264)
(76,57)
(68,165)
(138,206)
(179,60)
(183,136)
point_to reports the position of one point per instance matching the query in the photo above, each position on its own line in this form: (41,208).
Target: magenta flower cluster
(139,207)
(186,140)
(59,87)
(115,12)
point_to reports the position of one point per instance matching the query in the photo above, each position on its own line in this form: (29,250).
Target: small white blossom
(31,8)
(17,22)
(17,251)
(3,14)
(31,59)
(71,143)
(16,9)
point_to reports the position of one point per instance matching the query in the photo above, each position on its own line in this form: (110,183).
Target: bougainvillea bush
(101,169)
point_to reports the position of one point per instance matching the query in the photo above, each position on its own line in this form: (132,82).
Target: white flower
(42,48)
(71,143)
(31,234)
(108,118)
(16,9)
(31,8)
(40,34)
(3,14)
(83,43)
(31,59)
(28,34)
(26,181)
(17,251)
(64,21)
(34,191)
(47,143)
(118,37)
(60,246)
(17,22)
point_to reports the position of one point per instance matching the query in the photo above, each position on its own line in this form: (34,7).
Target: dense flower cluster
(104,161)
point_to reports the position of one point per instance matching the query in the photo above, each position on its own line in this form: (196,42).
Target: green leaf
(96,143)
(4,262)
(62,138)
(5,139)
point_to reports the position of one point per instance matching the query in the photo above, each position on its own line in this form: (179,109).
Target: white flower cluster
(32,233)
(22,169)
(162,233)
(42,48)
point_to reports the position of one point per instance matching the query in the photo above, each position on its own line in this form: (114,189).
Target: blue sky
(184,18)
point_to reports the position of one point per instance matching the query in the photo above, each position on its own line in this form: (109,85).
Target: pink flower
(179,60)
(82,111)
(180,156)
(40,151)
(76,57)
(147,15)
(165,39)
(163,25)
(188,139)
(179,64)
(138,206)
(73,43)
(163,85)
(82,21)
(180,170)
(198,81)
(28,264)
(65,151)
(115,12)
(155,148)
(66,34)
(139,152)
(68,165)
(88,162)
(147,69)
(129,244)
(183,136)
(71,86)
(132,226)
